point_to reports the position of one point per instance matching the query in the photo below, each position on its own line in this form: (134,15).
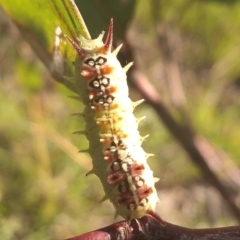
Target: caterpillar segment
(112,129)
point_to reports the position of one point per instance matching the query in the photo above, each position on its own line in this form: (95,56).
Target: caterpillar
(111,128)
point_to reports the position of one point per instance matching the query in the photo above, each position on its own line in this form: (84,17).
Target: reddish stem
(150,227)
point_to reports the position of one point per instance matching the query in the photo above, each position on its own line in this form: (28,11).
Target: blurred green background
(44,193)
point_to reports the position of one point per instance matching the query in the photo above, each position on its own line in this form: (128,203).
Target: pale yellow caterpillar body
(112,129)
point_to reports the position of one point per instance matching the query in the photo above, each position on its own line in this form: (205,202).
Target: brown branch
(151,227)
(167,46)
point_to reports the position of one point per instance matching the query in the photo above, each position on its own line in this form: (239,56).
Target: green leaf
(37,21)
(33,80)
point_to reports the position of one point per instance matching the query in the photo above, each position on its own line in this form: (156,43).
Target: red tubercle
(111,90)
(136,169)
(124,199)
(144,191)
(91,95)
(105,141)
(108,157)
(116,178)
(114,106)
(106,70)
(102,140)
(88,73)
